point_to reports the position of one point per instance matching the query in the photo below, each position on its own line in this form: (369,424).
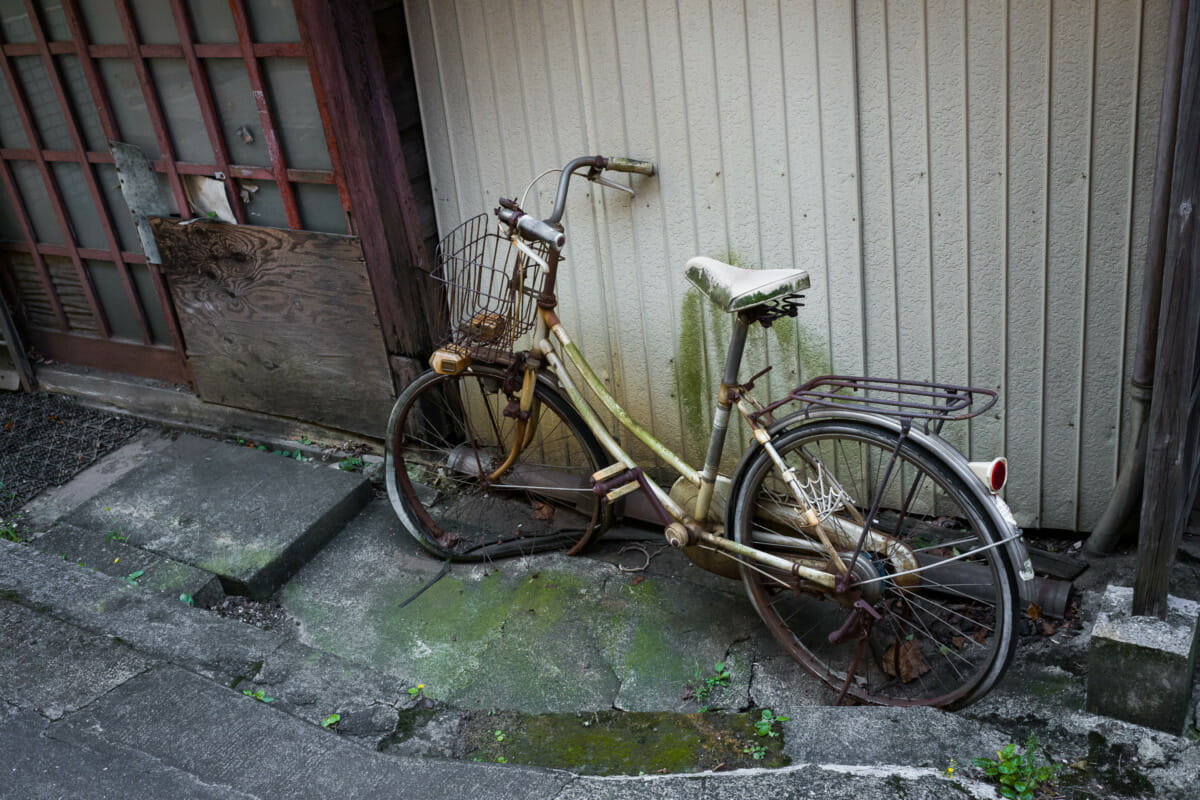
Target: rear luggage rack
(890,397)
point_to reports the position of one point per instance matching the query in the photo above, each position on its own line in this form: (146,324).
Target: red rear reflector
(998,474)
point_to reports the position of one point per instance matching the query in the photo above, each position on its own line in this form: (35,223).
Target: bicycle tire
(947,632)
(446,433)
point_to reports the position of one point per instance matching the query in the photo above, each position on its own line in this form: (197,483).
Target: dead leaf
(959,642)
(9,426)
(980,635)
(1048,628)
(911,664)
(543,511)
(638,579)
(1034,611)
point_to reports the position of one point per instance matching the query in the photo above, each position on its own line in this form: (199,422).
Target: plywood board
(279,321)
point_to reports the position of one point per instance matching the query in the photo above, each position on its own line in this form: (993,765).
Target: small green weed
(416,691)
(500,737)
(298,455)
(116,533)
(703,689)
(766,723)
(132,578)
(331,720)
(755,751)
(259,695)
(352,464)
(1019,775)
(10,530)
(187,598)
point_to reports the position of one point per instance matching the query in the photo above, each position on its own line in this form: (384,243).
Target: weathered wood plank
(1174,433)
(282,322)
(346,50)
(10,340)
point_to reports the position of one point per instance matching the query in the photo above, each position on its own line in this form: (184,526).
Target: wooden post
(1173,451)
(383,211)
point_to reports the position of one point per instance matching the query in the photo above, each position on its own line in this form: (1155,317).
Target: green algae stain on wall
(799,341)
(692,373)
(703,338)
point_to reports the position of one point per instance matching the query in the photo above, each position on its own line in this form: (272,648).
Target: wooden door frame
(345,52)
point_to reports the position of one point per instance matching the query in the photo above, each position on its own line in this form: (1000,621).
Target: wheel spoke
(451,433)
(923,510)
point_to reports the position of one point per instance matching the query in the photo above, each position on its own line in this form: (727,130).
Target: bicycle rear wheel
(448,435)
(946,598)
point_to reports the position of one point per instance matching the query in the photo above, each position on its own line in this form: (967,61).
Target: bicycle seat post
(725,401)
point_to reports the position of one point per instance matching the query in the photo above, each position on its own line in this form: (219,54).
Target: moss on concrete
(240,560)
(620,743)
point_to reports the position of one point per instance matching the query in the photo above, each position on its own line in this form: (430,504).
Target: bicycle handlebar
(531,227)
(596,163)
(631,165)
(546,230)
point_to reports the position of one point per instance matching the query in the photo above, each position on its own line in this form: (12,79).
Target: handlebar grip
(532,227)
(631,165)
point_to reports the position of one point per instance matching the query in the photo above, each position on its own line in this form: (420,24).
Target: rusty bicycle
(878,556)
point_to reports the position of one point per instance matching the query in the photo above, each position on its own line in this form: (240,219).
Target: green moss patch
(620,743)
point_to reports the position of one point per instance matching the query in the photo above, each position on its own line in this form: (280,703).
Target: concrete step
(107,552)
(249,517)
(112,691)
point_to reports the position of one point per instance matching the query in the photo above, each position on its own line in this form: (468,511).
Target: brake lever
(600,179)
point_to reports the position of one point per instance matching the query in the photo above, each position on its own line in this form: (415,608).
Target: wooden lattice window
(223,89)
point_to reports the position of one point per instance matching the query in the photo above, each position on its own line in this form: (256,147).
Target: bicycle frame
(554,345)
(823,565)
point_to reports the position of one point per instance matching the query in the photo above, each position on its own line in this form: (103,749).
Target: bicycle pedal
(608,472)
(621,491)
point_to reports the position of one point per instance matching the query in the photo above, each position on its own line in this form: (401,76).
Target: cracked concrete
(141,701)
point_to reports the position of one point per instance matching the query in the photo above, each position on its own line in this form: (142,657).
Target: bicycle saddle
(733,288)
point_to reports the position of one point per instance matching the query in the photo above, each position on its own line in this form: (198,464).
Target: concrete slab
(542,634)
(307,683)
(247,516)
(58,501)
(236,741)
(102,552)
(1141,668)
(74,667)
(869,735)
(44,761)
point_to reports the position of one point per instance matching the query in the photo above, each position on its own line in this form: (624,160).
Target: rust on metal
(908,400)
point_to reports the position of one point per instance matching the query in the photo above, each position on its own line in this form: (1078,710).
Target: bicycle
(496,451)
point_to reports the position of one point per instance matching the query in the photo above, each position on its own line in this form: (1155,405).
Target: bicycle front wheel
(449,441)
(944,593)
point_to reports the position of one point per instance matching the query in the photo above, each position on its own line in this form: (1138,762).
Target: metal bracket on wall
(143,193)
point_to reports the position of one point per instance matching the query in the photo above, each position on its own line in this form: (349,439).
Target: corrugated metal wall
(967,184)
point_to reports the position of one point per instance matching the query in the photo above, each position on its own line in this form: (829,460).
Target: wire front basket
(492,288)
